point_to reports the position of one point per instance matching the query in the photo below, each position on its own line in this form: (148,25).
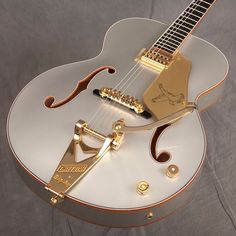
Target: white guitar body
(39,136)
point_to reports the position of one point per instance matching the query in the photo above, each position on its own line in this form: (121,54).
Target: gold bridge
(69,172)
(122,99)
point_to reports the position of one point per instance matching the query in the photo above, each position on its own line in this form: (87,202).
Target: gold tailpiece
(69,172)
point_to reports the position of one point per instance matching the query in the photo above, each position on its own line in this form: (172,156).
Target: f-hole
(81,85)
(163,156)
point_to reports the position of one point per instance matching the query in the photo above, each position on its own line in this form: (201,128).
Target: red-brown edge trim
(122,210)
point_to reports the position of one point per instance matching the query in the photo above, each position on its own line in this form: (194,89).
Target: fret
(199,8)
(174,36)
(169,44)
(205,5)
(171,39)
(197,5)
(194,13)
(192,16)
(196,10)
(181,27)
(166,49)
(178,30)
(207,2)
(189,25)
(179,35)
(163,44)
(188,20)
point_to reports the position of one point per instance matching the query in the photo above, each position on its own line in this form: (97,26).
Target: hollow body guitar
(149,153)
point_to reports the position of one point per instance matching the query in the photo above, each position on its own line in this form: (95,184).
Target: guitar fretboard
(174,36)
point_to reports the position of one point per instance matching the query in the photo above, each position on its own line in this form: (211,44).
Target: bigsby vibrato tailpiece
(69,172)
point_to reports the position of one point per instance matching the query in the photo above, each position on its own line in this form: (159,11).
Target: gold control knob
(172,171)
(142,187)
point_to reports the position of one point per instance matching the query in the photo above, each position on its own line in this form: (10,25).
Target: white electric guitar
(117,140)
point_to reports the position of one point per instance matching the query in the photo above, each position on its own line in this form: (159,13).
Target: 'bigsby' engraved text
(71,168)
(167,96)
(59,179)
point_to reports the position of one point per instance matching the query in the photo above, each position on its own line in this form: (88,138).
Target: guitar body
(39,135)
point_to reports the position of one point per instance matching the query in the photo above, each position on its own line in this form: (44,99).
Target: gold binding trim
(69,172)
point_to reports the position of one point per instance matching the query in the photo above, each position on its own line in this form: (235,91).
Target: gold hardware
(140,54)
(122,99)
(172,171)
(82,125)
(121,127)
(168,93)
(154,58)
(149,216)
(69,172)
(54,200)
(142,187)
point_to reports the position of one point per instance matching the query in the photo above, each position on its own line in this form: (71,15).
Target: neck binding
(179,30)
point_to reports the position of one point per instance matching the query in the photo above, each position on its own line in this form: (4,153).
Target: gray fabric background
(38,35)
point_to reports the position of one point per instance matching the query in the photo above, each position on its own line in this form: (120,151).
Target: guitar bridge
(124,100)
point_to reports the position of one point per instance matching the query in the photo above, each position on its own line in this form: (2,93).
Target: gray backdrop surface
(38,35)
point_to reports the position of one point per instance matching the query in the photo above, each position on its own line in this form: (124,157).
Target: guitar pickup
(124,100)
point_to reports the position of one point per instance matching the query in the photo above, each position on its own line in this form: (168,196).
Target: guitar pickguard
(168,93)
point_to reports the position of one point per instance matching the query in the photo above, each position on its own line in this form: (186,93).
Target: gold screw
(118,126)
(172,171)
(149,215)
(54,200)
(142,187)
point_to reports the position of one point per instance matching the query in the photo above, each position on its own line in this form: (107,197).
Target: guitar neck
(182,27)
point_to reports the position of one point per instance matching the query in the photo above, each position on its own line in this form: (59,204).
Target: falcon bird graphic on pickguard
(167,96)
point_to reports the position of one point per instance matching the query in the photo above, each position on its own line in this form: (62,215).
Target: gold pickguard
(168,93)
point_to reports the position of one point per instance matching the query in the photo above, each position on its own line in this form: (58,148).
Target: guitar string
(167,40)
(106,100)
(188,14)
(115,104)
(185,17)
